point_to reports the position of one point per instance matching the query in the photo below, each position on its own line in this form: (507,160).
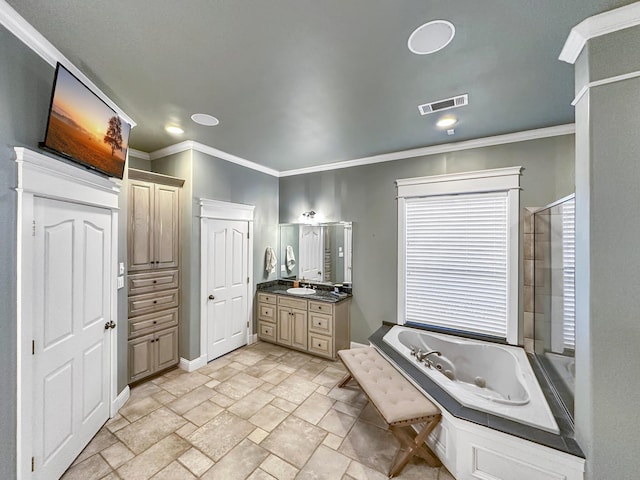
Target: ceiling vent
(446,104)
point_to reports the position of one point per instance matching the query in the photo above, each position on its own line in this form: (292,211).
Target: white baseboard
(253,338)
(358,345)
(119,401)
(191,365)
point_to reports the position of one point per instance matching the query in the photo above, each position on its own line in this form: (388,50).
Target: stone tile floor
(261,412)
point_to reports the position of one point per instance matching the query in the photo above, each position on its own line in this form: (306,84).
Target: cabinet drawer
(267,331)
(267,298)
(152,322)
(321,307)
(266,312)
(153,302)
(152,282)
(320,323)
(292,302)
(320,344)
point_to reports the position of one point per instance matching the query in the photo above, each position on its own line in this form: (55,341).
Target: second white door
(226,290)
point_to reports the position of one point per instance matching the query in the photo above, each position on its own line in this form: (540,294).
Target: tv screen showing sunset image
(84,128)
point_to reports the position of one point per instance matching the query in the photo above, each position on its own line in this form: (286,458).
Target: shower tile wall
(529,279)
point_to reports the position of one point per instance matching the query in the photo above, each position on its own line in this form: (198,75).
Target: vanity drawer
(320,344)
(152,302)
(320,323)
(267,298)
(267,312)
(267,331)
(321,307)
(292,302)
(152,321)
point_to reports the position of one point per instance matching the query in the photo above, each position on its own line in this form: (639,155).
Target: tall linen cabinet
(153,258)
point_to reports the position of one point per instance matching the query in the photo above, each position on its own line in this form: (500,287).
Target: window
(569,274)
(458,255)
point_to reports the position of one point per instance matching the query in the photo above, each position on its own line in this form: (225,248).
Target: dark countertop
(323,293)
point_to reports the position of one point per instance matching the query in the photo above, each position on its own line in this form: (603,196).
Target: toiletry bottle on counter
(296,284)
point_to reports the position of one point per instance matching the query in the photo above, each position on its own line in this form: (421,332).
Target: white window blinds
(456,262)
(569,273)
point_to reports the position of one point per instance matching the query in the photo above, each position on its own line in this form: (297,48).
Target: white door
(311,253)
(71,305)
(226,290)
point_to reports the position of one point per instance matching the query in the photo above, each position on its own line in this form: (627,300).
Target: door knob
(109,325)
(211,297)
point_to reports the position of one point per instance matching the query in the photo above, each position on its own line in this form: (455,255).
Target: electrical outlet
(121,281)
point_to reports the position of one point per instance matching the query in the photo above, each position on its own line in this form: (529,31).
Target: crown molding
(214,152)
(556,131)
(559,130)
(138,154)
(33,39)
(601,24)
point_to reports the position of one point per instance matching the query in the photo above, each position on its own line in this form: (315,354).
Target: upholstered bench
(399,403)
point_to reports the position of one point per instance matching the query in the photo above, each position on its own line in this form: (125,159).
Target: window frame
(483,181)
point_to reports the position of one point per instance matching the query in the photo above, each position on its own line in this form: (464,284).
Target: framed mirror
(319,252)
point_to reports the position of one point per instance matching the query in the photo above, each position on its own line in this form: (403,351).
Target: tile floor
(261,412)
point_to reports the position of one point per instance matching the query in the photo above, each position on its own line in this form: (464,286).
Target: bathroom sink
(301,291)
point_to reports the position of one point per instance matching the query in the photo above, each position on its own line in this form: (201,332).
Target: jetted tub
(489,377)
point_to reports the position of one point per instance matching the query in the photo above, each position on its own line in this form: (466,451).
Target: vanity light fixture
(174,130)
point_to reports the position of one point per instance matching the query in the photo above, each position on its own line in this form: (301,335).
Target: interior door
(226,290)
(311,252)
(71,362)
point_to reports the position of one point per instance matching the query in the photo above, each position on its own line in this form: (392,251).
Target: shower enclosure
(554,295)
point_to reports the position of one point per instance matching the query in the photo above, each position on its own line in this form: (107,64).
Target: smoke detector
(446,104)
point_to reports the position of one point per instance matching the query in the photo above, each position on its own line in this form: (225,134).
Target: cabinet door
(299,329)
(166,348)
(140,358)
(141,242)
(283,330)
(166,226)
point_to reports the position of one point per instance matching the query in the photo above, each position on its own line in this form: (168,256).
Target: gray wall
(366,196)
(25,90)
(607,262)
(217,179)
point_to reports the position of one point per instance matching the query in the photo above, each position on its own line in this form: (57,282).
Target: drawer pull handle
(155,301)
(154,322)
(155,281)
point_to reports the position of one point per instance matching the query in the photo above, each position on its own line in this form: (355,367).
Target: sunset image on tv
(83,127)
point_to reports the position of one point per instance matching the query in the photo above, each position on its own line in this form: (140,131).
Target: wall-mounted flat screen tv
(84,129)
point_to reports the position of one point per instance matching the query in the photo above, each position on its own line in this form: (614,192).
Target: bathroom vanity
(319,323)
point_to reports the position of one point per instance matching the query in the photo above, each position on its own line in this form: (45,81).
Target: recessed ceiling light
(205,119)
(447,121)
(431,37)
(174,129)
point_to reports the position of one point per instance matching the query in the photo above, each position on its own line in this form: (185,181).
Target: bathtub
(484,376)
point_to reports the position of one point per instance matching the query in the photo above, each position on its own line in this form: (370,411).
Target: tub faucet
(423,356)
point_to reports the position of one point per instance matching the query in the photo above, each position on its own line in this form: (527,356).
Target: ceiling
(302,83)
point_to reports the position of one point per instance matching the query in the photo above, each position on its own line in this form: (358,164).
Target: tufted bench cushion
(400,403)
(393,395)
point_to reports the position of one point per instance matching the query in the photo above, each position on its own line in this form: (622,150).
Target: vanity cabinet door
(140,357)
(299,329)
(283,330)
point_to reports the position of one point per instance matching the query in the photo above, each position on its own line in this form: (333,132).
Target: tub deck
(563,441)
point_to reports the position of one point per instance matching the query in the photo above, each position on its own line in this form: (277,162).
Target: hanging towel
(270,260)
(290,258)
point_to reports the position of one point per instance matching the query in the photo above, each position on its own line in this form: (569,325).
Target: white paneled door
(72,325)
(311,254)
(226,290)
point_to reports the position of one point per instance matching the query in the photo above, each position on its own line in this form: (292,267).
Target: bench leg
(413,445)
(345,380)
